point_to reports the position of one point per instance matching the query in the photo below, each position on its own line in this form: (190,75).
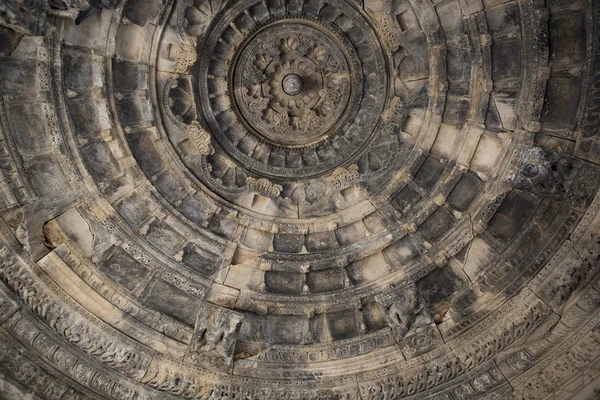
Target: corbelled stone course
(299,199)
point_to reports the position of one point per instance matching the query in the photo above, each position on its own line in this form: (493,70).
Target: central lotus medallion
(292,83)
(292,95)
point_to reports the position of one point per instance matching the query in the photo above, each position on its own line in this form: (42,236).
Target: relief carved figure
(214,339)
(543,172)
(405,311)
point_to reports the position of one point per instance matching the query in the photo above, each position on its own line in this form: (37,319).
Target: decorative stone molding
(200,139)
(264,186)
(299,200)
(185,56)
(214,338)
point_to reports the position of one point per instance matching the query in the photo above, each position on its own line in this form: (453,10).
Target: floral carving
(290,103)
(262,61)
(200,138)
(264,186)
(288,45)
(294,87)
(317,53)
(342,177)
(186,55)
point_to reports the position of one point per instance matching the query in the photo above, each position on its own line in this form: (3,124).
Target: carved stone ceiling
(299,199)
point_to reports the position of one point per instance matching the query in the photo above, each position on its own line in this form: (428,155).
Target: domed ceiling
(299,199)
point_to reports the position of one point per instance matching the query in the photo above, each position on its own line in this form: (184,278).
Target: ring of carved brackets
(204,92)
(278,160)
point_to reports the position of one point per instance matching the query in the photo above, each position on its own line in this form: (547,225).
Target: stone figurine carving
(405,311)
(214,338)
(555,176)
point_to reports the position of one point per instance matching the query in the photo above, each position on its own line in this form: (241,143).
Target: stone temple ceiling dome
(299,199)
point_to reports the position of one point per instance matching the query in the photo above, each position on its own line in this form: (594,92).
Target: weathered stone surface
(171,301)
(299,199)
(123,268)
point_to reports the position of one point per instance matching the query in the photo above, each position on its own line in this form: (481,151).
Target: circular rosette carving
(292,97)
(292,83)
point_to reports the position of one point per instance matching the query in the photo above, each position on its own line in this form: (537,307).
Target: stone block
(465,191)
(290,283)
(558,113)
(172,301)
(165,237)
(135,209)
(288,242)
(439,223)
(100,161)
(49,180)
(401,251)
(284,329)
(200,260)
(514,212)
(429,173)
(170,187)
(129,76)
(145,152)
(351,233)
(369,268)
(121,267)
(343,324)
(31,134)
(406,199)
(326,281)
(89,117)
(567,39)
(504,19)
(19,76)
(321,241)
(506,59)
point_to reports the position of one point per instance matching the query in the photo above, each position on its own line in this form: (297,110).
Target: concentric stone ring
(299,199)
(292,97)
(305,56)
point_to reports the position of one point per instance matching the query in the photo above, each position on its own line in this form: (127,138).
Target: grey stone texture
(299,199)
